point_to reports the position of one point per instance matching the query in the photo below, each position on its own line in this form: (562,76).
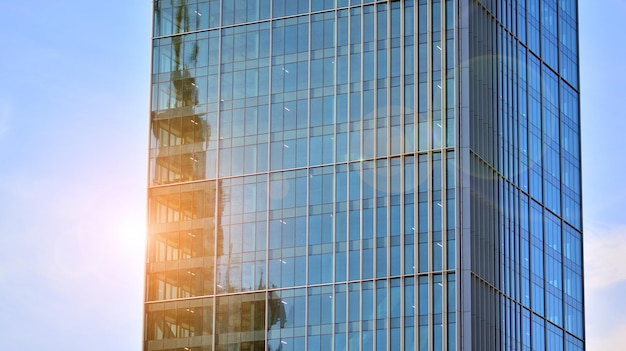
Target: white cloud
(605,257)
(605,286)
(612,339)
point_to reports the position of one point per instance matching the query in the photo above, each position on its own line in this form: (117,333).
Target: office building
(364,175)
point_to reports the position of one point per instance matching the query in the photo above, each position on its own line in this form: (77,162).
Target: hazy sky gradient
(74,82)
(603,92)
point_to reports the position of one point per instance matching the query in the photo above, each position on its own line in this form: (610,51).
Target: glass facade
(364,175)
(524,192)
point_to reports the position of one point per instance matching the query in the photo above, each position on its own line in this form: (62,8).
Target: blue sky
(73,139)
(603,73)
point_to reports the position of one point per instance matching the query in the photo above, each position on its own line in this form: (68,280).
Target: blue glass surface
(323,174)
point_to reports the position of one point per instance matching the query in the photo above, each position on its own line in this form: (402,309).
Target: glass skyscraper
(364,175)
